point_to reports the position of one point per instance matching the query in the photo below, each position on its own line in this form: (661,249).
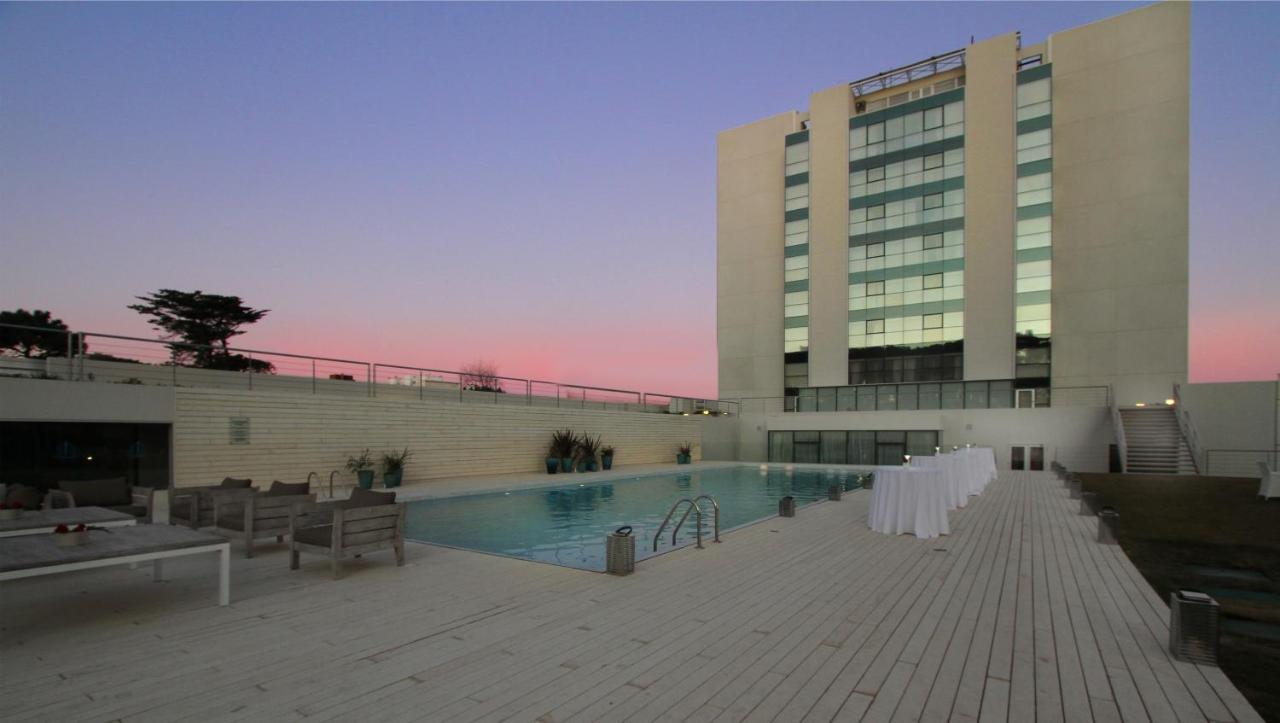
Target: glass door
(1027,457)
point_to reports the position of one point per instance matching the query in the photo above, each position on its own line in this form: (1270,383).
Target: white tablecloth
(909,500)
(981,462)
(956,475)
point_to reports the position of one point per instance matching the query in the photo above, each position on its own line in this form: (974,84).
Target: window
(874,212)
(933,200)
(933,161)
(933,118)
(933,281)
(875,288)
(876,326)
(933,241)
(875,133)
(875,174)
(932,321)
(875,250)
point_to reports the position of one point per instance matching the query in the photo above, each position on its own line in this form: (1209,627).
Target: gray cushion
(30,497)
(98,492)
(361,497)
(319,535)
(231,483)
(281,489)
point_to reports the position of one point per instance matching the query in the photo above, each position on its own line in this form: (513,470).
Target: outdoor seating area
(1018,615)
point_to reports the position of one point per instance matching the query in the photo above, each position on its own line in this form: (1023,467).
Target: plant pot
(392,479)
(365,479)
(553,465)
(684,458)
(607,462)
(566,464)
(10,514)
(70,539)
(591,465)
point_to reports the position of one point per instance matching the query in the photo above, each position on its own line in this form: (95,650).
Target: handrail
(331,474)
(716,508)
(1188,430)
(76,357)
(694,505)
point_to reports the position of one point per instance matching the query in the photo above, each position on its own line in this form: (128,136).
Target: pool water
(567,525)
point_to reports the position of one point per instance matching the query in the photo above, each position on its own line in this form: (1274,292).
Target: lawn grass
(1213,534)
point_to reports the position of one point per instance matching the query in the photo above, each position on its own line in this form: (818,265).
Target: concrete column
(829,112)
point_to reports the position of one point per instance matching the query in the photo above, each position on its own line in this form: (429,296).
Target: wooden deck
(1018,615)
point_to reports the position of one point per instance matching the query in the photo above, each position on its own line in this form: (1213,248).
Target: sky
(529,184)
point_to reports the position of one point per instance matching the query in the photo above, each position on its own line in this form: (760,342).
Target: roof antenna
(971,40)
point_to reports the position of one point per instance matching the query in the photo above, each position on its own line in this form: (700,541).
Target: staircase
(1154,444)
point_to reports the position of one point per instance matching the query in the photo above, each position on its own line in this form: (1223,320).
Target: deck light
(1169,402)
(706,411)
(906,460)
(1140,404)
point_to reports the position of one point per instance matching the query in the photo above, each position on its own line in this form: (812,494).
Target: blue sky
(532,184)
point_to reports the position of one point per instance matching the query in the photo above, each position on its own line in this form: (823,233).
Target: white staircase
(1154,443)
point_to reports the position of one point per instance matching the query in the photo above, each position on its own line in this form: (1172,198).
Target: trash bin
(1073,487)
(1193,627)
(1088,502)
(620,552)
(787,506)
(1108,526)
(834,492)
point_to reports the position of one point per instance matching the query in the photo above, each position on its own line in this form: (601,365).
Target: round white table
(956,475)
(909,500)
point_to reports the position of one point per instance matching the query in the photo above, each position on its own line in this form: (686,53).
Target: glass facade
(795,303)
(1033,253)
(906,242)
(991,394)
(850,447)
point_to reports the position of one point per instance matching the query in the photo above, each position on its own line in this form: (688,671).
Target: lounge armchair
(193,506)
(1270,486)
(366,522)
(251,515)
(116,494)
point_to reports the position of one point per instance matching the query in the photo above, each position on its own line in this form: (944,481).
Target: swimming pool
(567,525)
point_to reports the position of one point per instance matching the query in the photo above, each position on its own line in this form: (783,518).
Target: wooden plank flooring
(1017,615)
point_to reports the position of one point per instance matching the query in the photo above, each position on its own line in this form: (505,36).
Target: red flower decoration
(61,530)
(15,505)
(80,528)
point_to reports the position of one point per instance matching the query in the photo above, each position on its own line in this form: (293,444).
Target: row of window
(908,173)
(797,159)
(911,337)
(907,131)
(1034,272)
(909,397)
(796,268)
(856,447)
(909,323)
(937,363)
(907,212)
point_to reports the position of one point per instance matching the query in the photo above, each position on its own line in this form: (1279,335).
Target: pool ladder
(691,505)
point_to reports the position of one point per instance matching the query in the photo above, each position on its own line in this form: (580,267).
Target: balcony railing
(915,396)
(113,358)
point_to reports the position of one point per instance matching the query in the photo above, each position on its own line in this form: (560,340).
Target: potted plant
(362,467)
(10,510)
(588,448)
(685,455)
(553,459)
(606,457)
(393,467)
(563,445)
(64,536)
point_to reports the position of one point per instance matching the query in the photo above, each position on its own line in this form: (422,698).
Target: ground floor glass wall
(850,447)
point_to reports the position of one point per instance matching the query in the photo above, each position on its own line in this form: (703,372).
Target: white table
(955,473)
(35,555)
(909,500)
(982,465)
(36,522)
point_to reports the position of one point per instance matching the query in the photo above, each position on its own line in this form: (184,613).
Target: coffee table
(34,555)
(35,522)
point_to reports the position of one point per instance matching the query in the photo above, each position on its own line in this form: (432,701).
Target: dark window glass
(847,399)
(1017,459)
(953,395)
(827,399)
(807,400)
(1037,459)
(921,444)
(930,396)
(907,396)
(1001,395)
(887,397)
(805,447)
(833,447)
(975,395)
(866,399)
(780,447)
(862,448)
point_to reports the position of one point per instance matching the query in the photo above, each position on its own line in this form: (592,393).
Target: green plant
(393,462)
(563,443)
(606,451)
(588,447)
(686,448)
(360,463)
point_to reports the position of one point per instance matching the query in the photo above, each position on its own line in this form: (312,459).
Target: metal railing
(1117,426)
(907,73)
(1188,430)
(1238,462)
(115,358)
(691,505)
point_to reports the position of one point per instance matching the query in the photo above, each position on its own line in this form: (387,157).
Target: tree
(203,323)
(30,342)
(481,376)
